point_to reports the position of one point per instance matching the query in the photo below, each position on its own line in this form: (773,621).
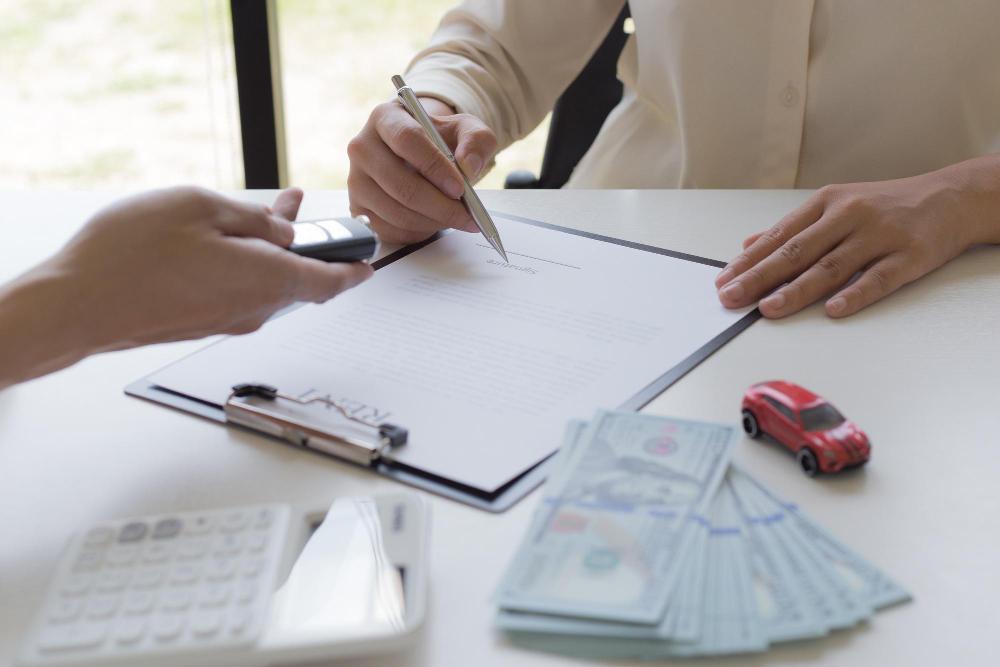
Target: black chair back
(579,114)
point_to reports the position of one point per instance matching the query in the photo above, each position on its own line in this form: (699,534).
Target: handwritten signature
(507,265)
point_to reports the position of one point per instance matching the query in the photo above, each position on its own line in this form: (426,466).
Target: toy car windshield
(821,418)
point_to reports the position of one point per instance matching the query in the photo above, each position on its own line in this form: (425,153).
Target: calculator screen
(343,583)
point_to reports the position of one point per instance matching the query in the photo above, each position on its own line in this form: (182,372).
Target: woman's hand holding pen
(403,183)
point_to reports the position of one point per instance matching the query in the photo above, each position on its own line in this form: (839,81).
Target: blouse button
(790,96)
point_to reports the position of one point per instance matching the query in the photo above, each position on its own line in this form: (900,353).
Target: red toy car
(822,439)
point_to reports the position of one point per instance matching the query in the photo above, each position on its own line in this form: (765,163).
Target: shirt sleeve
(507,61)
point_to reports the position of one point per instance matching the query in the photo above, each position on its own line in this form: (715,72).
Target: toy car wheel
(808,462)
(750,424)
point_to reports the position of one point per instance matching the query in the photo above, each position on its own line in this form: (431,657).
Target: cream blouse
(737,93)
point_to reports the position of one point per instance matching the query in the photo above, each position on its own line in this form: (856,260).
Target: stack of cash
(649,544)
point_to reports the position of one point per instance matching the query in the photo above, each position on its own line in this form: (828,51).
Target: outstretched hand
(161,266)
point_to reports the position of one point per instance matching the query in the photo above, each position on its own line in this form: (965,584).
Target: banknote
(876,589)
(736,567)
(681,622)
(610,537)
(683,617)
(787,601)
(728,620)
(827,594)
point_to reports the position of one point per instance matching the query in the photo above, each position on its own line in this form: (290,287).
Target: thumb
(237,218)
(287,203)
(474,142)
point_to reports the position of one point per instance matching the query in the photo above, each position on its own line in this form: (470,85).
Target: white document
(483,361)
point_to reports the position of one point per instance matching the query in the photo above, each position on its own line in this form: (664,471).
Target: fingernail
(472,226)
(733,291)
(837,305)
(453,188)
(473,164)
(774,302)
(724,277)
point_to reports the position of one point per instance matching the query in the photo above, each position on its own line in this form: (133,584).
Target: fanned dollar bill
(738,568)
(787,601)
(728,615)
(863,580)
(683,616)
(610,537)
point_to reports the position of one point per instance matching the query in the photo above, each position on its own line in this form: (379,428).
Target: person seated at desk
(161,266)
(899,99)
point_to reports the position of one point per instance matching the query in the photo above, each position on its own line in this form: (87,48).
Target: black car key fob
(335,239)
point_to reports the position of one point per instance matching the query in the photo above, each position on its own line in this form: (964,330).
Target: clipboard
(320,426)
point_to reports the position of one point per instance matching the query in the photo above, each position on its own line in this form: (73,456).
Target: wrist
(436,107)
(41,328)
(978,183)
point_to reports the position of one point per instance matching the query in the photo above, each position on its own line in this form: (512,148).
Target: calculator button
(99,536)
(256,543)
(112,581)
(206,623)
(77,584)
(72,637)
(177,599)
(148,578)
(156,553)
(130,630)
(234,522)
(246,592)
(168,627)
(199,525)
(263,518)
(228,545)
(184,574)
(133,531)
(64,611)
(239,621)
(88,561)
(252,567)
(221,569)
(193,549)
(139,602)
(119,556)
(102,606)
(167,528)
(215,595)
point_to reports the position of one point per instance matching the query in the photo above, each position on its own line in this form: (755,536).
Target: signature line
(568,266)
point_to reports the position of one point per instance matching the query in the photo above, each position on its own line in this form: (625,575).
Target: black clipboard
(507,495)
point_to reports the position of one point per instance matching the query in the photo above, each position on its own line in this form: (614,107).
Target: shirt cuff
(448,83)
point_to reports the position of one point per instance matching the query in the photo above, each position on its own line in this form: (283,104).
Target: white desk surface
(919,372)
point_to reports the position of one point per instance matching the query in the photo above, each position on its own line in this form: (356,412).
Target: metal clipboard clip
(318,423)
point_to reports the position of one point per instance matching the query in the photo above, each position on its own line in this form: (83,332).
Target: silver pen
(471,200)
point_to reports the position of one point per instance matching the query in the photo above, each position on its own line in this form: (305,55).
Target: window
(782,408)
(142,93)
(118,93)
(821,418)
(336,62)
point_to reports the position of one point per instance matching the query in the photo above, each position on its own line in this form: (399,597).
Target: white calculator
(256,585)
